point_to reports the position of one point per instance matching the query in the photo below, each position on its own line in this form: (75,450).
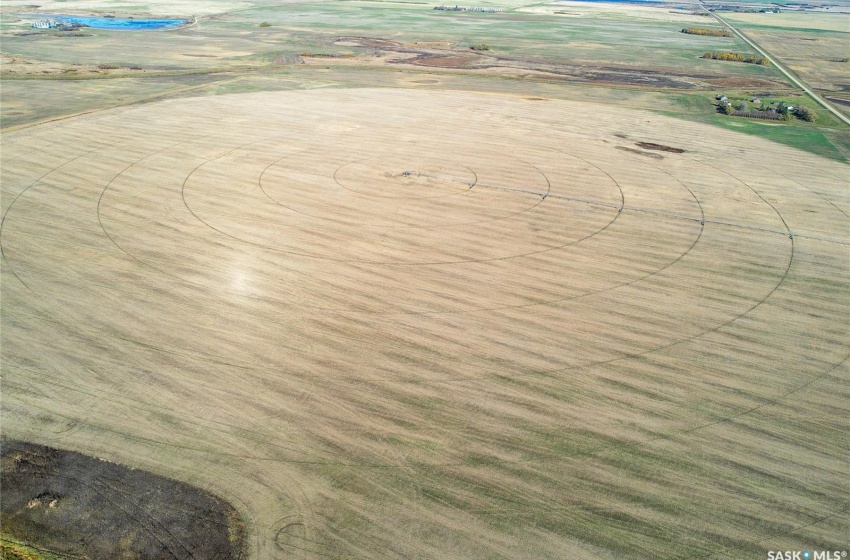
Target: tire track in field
(616,359)
(38,180)
(316,307)
(720,325)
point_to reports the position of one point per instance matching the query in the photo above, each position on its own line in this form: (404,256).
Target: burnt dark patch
(80,506)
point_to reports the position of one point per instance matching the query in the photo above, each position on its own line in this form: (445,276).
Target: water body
(118,23)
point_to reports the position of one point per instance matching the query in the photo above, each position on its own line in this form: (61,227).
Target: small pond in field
(120,23)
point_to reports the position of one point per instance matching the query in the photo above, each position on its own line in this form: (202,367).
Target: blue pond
(117,23)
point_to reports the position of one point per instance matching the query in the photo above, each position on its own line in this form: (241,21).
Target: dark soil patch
(77,505)
(659,147)
(650,72)
(839,101)
(745,83)
(641,152)
(439,61)
(613,75)
(325,55)
(638,79)
(369,42)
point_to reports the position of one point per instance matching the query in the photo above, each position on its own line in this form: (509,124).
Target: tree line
(737,57)
(782,111)
(708,32)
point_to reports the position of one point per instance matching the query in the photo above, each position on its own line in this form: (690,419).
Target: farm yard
(374,280)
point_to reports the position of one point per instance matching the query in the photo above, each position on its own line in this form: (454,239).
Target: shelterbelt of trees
(737,57)
(704,31)
(781,111)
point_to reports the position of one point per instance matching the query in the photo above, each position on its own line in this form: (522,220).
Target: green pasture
(596,36)
(230,52)
(824,137)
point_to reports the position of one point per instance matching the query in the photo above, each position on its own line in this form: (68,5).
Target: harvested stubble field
(404,324)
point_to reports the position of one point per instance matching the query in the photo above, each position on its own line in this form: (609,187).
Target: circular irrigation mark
(382,185)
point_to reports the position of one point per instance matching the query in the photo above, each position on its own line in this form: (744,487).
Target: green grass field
(824,137)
